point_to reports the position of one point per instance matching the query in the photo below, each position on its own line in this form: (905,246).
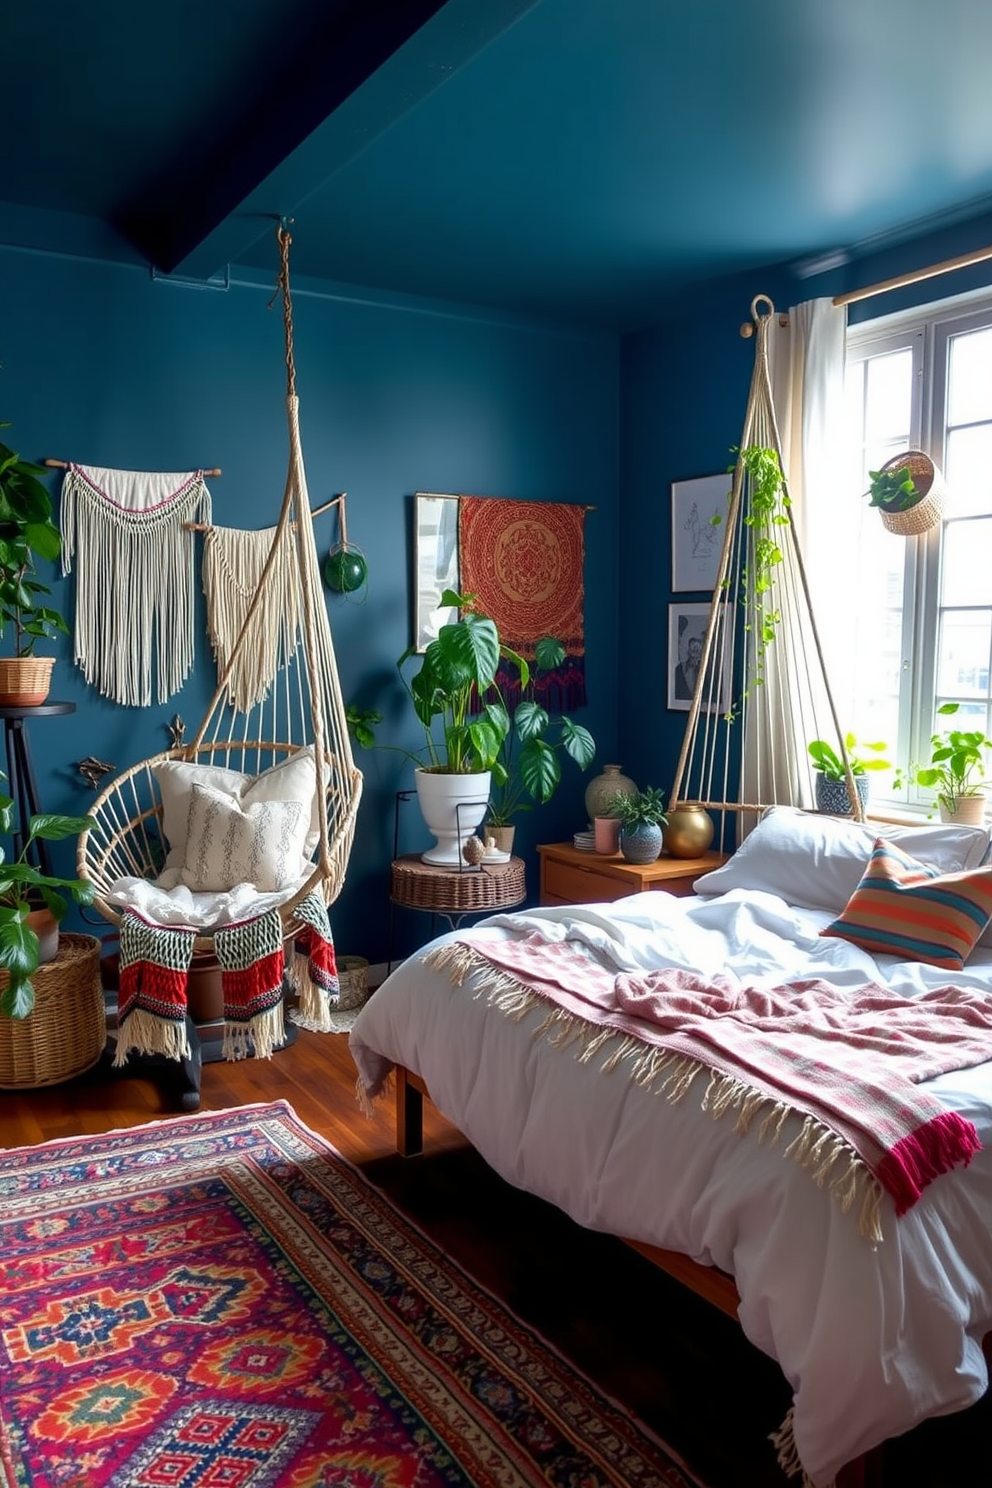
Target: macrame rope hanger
(762,679)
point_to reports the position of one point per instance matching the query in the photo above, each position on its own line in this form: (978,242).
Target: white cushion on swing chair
(230,841)
(179,905)
(292,779)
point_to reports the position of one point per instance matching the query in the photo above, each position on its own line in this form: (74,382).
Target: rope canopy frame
(303,707)
(761,693)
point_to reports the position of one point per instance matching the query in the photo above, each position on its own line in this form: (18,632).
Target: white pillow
(175,780)
(228,842)
(292,779)
(817,861)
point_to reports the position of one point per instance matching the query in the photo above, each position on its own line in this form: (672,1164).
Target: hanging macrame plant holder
(260,715)
(762,692)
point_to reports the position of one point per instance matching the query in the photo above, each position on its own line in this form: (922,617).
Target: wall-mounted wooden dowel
(64,465)
(206,526)
(334,501)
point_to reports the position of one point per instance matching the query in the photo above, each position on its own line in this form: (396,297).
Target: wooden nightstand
(569,876)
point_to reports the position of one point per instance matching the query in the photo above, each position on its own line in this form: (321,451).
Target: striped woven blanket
(154,967)
(848,1064)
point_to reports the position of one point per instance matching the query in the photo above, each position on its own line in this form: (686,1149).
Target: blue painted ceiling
(588,159)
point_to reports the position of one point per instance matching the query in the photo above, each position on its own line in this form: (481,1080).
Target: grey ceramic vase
(641,844)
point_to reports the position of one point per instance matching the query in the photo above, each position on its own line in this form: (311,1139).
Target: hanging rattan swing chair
(302,707)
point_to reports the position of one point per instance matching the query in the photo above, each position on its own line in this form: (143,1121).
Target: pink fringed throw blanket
(849,1063)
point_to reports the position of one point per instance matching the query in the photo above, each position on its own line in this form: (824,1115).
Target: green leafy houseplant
(528,769)
(27,532)
(643,808)
(24,888)
(892,490)
(957,763)
(829,762)
(456,671)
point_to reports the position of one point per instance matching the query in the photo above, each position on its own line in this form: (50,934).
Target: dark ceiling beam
(371,62)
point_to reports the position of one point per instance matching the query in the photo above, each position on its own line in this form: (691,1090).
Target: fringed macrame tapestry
(523,560)
(762,693)
(233,564)
(135,577)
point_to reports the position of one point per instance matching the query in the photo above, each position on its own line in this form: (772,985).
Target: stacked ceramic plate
(585,841)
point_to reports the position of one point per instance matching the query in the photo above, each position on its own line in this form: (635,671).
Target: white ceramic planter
(452,807)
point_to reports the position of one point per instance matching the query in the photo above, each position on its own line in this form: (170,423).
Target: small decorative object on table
(474,851)
(641,817)
(688,831)
(605,788)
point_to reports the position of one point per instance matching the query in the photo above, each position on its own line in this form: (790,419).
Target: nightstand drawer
(568,883)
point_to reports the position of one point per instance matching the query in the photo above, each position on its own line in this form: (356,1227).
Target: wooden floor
(680,1365)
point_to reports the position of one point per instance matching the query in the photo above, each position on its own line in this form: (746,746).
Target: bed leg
(409,1116)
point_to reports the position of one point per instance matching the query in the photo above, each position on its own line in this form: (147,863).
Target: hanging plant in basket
(909,493)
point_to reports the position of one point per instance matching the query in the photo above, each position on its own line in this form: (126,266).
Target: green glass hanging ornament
(345,567)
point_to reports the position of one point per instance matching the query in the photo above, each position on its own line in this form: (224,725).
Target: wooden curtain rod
(899,281)
(317,511)
(64,465)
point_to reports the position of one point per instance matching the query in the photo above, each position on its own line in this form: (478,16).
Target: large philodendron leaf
(539,770)
(470,648)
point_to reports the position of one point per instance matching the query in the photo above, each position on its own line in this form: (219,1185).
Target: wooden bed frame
(713,1285)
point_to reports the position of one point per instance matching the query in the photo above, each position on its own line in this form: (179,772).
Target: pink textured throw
(850,1061)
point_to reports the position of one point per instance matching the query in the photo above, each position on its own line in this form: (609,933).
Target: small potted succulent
(641,816)
(832,794)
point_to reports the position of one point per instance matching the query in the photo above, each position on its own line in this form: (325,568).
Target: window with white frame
(917,623)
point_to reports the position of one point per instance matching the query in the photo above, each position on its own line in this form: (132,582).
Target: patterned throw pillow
(228,843)
(905,909)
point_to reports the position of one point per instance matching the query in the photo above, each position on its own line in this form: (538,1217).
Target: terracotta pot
(46,927)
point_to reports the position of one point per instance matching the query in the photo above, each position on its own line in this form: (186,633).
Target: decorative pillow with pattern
(903,908)
(229,843)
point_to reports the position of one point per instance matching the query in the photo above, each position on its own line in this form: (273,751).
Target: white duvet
(872,1339)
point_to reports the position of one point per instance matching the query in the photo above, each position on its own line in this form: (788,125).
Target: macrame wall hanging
(135,577)
(233,563)
(761,693)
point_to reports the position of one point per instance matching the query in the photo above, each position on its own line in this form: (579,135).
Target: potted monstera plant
(464,731)
(27,533)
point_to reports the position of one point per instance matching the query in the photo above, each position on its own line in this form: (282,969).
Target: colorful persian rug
(223,1299)
(523,560)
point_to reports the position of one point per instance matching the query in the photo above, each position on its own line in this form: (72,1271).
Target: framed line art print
(686,637)
(699,525)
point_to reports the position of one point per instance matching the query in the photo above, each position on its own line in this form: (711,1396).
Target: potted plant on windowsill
(955,772)
(641,816)
(832,794)
(527,771)
(461,745)
(27,532)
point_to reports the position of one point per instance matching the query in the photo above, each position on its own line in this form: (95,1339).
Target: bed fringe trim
(788,1458)
(831,1161)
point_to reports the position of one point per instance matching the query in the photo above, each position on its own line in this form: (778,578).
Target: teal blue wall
(103,365)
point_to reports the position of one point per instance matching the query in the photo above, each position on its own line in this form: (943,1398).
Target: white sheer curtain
(806,363)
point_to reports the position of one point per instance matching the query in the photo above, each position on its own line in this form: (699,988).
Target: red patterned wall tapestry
(523,560)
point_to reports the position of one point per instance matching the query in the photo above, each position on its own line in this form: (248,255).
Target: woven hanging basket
(926,512)
(65,1033)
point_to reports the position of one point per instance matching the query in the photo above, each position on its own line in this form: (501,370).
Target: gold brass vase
(689,831)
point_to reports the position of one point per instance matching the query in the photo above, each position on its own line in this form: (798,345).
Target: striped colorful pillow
(907,910)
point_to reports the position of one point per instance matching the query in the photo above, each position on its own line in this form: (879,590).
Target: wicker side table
(453,893)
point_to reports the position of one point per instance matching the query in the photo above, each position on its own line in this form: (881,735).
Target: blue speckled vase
(832,797)
(641,844)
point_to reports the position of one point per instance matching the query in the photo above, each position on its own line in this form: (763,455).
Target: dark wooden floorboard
(679,1364)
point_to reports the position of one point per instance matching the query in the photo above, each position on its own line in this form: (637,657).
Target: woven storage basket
(929,509)
(353,975)
(25,681)
(66,1031)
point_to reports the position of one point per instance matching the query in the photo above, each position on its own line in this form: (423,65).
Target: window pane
(963,655)
(969,396)
(888,400)
(966,563)
(968,472)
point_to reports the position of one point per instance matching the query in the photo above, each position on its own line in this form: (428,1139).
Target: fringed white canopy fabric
(762,693)
(252,725)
